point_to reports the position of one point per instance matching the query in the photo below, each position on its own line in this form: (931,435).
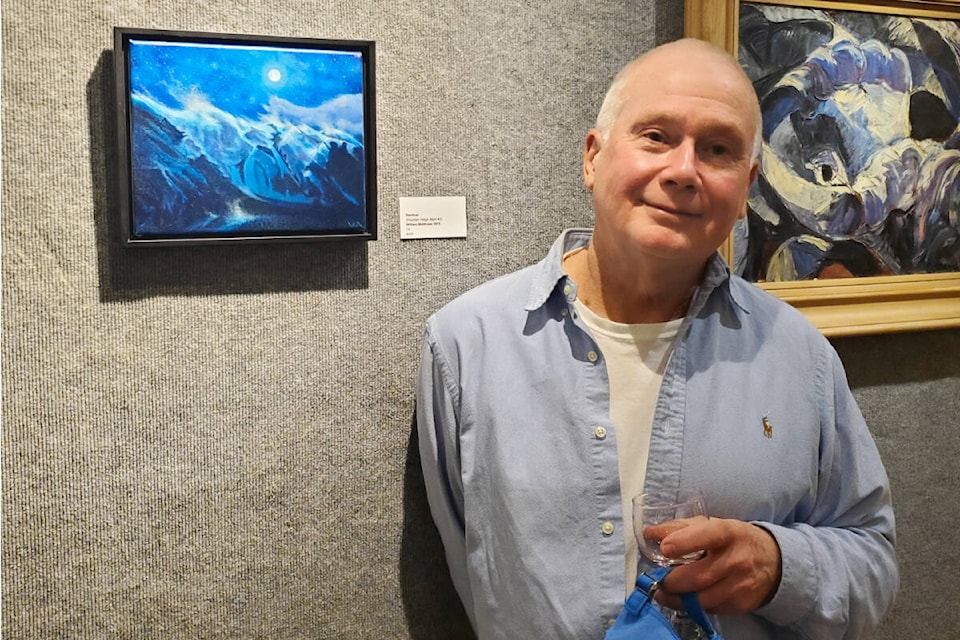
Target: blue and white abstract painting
(237,139)
(860,174)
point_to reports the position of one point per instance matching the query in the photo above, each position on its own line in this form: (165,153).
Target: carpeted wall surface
(215,442)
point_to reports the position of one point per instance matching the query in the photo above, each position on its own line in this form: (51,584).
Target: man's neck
(628,296)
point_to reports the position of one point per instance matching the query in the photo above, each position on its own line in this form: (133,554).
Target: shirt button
(566,290)
(611,622)
(592,356)
(564,313)
(607,528)
(600,432)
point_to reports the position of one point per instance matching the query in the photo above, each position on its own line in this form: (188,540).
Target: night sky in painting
(231,139)
(860,172)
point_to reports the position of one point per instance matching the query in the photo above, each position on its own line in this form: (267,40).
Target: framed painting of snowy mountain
(239,138)
(855,214)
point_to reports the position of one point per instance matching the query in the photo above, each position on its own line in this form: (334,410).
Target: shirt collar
(549,272)
(716,276)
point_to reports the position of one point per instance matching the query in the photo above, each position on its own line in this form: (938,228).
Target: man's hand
(740,572)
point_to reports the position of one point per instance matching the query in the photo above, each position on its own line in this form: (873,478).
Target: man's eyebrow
(712,128)
(648,118)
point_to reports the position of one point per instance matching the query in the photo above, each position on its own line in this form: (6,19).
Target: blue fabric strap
(691,604)
(634,622)
(646,581)
(640,619)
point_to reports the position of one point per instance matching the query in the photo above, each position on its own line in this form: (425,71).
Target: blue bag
(640,618)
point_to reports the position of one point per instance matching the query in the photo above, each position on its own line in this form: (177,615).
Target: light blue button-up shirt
(520,461)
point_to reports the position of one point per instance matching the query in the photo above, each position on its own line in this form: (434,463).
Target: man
(630,360)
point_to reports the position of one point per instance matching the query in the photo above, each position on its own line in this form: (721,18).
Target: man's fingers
(727,595)
(740,572)
(713,534)
(696,534)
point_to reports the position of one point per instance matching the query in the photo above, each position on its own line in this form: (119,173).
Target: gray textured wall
(215,442)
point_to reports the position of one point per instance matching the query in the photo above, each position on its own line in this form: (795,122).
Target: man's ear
(590,150)
(753,176)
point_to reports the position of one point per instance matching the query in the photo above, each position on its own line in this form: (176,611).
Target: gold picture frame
(860,305)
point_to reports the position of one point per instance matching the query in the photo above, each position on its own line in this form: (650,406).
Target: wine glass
(655,515)
(672,511)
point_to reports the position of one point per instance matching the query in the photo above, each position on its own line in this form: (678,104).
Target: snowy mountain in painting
(199,169)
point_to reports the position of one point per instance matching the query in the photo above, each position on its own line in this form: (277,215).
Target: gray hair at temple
(613,100)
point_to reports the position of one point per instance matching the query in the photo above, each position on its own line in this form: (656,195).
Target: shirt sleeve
(438,427)
(840,571)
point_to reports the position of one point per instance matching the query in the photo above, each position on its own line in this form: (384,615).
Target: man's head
(673,155)
(613,100)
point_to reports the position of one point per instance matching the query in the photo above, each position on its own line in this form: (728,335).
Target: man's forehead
(657,87)
(685,102)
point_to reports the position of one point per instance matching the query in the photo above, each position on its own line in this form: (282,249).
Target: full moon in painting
(273,75)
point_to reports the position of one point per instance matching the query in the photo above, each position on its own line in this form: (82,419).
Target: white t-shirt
(636,356)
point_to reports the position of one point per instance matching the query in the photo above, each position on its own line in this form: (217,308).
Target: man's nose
(680,170)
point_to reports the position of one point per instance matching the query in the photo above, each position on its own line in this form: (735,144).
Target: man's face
(674,173)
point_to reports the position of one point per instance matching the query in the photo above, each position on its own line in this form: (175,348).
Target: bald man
(630,360)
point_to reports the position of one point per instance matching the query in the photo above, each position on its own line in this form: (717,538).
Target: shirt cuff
(796,595)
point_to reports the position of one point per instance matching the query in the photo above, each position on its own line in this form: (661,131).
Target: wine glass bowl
(656,515)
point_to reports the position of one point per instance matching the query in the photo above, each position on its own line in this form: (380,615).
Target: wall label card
(438,217)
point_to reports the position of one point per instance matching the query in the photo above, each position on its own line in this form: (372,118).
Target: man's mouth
(673,211)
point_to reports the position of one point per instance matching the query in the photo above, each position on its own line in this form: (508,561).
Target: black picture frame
(230,138)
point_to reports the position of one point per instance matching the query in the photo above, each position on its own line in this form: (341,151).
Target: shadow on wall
(668,16)
(899,358)
(430,601)
(130,273)
(908,387)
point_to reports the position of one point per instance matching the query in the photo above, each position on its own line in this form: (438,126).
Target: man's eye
(719,150)
(654,136)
